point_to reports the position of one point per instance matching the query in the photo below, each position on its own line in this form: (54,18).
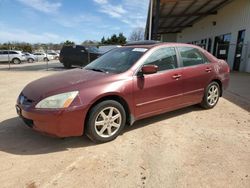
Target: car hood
(71,80)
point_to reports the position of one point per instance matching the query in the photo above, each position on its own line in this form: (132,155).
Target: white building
(220,26)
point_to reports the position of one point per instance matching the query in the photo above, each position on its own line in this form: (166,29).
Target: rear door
(159,92)
(196,74)
(39,56)
(81,56)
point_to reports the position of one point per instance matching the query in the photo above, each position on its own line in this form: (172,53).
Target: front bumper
(59,123)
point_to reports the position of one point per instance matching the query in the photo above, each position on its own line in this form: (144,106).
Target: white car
(14,56)
(39,56)
(29,57)
(54,55)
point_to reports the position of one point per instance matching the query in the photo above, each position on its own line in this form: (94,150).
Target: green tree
(68,42)
(114,39)
(103,40)
(121,39)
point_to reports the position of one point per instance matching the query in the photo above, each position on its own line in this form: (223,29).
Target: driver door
(161,91)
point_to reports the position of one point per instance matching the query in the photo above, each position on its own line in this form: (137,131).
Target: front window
(165,58)
(118,60)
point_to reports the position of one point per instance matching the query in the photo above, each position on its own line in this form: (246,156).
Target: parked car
(54,55)
(13,56)
(106,48)
(30,58)
(40,56)
(78,55)
(124,85)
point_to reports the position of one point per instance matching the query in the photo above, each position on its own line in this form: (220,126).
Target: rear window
(92,49)
(191,56)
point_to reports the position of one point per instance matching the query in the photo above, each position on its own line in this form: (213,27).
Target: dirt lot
(185,148)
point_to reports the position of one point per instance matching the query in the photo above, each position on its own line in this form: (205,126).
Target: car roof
(150,44)
(12,50)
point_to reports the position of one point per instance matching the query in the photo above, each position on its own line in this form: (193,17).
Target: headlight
(62,100)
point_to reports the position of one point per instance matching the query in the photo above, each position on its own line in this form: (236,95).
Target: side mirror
(149,69)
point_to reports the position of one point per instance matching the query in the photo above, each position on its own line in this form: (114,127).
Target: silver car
(40,56)
(13,56)
(29,57)
(54,55)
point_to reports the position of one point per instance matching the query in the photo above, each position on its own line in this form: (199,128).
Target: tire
(211,96)
(101,127)
(16,61)
(45,59)
(67,65)
(30,60)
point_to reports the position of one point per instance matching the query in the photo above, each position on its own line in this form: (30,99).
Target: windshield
(117,60)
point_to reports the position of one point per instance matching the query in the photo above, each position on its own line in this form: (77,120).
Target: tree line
(120,39)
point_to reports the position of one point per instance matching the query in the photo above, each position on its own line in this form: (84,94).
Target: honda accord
(124,85)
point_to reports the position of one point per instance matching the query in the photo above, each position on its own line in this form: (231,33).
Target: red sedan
(124,85)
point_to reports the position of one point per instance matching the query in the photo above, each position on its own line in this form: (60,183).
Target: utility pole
(9,54)
(150,20)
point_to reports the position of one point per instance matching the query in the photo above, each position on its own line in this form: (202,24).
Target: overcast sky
(78,20)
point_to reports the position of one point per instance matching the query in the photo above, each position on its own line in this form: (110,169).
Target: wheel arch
(114,97)
(15,58)
(220,84)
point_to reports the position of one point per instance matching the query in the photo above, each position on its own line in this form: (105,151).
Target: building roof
(172,16)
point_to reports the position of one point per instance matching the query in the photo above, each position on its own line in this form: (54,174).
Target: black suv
(78,55)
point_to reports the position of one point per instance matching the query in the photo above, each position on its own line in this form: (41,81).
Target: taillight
(227,66)
(228,69)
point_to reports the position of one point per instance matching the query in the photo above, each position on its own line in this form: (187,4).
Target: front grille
(28,122)
(23,100)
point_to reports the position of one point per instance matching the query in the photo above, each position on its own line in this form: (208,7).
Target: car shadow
(17,138)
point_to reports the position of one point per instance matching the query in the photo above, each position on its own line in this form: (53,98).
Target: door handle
(176,76)
(208,69)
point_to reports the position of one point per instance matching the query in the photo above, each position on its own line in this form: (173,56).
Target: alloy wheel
(16,61)
(213,95)
(108,122)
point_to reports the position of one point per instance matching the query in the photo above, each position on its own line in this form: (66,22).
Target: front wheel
(211,96)
(16,61)
(106,121)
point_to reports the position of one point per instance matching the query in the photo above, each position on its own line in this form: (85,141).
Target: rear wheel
(106,121)
(45,59)
(30,60)
(211,96)
(16,61)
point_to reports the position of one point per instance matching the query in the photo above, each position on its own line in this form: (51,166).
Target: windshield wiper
(97,70)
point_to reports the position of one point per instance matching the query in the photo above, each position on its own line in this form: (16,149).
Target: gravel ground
(190,147)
